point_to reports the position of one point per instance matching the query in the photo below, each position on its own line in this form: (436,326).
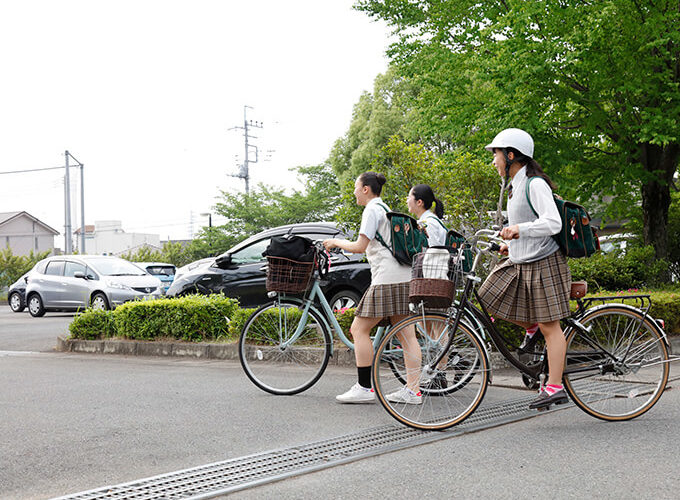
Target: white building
(108,237)
(23,233)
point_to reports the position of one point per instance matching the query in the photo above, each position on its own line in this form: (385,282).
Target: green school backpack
(577,238)
(456,240)
(407,237)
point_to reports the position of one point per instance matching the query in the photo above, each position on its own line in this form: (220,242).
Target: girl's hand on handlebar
(329,244)
(510,233)
(503,250)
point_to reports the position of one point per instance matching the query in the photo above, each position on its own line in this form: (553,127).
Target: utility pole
(68,243)
(244,168)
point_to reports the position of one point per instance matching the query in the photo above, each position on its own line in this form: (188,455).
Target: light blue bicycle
(285,345)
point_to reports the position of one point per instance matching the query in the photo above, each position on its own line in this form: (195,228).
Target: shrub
(636,268)
(194,318)
(238,320)
(217,318)
(92,324)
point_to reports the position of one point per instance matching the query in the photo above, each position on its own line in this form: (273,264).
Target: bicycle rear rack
(641,301)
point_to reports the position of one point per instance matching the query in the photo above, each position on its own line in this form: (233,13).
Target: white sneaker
(405,395)
(357,394)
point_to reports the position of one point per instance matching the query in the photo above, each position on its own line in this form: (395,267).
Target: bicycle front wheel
(283,348)
(450,390)
(618,369)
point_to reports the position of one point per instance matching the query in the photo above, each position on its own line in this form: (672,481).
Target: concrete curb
(341,357)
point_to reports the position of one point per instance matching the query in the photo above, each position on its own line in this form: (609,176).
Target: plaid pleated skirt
(382,301)
(536,292)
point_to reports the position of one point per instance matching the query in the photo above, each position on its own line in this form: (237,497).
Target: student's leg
(412,354)
(363,354)
(361,335)
(556,345)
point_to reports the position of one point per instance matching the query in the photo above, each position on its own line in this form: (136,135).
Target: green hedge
(638,267)
(201,318)
(195,318)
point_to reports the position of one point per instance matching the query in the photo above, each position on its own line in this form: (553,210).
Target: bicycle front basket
(285,275)
(433,277)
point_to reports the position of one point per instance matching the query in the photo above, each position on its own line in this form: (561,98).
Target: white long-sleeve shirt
(535,240)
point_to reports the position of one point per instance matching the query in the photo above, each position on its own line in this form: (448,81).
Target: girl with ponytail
(420,200)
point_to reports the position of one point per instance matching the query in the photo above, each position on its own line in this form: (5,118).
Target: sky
(146,93)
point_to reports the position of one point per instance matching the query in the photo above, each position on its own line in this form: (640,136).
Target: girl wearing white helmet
(531,288)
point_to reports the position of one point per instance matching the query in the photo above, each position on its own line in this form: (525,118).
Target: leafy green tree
(12,267)
(467,186)
(267,207)
(376,117)
(596,83)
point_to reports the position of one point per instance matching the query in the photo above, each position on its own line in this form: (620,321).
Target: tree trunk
(662,162)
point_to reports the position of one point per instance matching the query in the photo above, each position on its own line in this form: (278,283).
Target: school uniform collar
(374,200)
(427,213)
(519,177)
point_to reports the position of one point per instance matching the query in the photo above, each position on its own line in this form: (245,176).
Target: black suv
(240,271)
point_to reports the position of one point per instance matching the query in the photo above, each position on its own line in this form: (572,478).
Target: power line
(35,170)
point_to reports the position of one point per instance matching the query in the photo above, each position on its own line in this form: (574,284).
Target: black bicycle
(617,361)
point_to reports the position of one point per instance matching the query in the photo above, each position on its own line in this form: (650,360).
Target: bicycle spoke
(282,350)
(627,376)
(450,391)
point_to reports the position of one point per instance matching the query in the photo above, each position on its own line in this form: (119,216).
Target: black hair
(533,168)
(373,180)
(425,193)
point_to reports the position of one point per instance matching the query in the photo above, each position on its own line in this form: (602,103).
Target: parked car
(240,273)
(162,271)
(72,282)
(615,242)
(207,262)
(16,295)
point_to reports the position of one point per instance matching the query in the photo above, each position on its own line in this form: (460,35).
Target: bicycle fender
(653,321)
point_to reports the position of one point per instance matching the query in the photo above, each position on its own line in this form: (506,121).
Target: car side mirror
(79,274)
(223,261)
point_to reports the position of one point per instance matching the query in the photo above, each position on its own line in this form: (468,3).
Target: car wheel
(15,302)
(99,302)
(344,299)
(35,306)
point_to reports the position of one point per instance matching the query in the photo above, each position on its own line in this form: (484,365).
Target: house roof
(5,217)
(89,229)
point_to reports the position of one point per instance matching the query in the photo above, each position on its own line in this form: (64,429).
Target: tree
(596,83)
(267,207)
(375,118)
(12,267)
(467,186)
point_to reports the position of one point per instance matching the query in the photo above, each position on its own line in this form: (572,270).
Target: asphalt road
(73,422)
(23,332)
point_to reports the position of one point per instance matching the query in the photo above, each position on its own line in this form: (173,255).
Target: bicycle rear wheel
(284,350)
(462,374)
(619,369)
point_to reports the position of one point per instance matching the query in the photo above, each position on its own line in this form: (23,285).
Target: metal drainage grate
(240,473)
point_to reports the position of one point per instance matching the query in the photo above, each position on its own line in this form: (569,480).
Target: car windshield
(115,267)
(161,270)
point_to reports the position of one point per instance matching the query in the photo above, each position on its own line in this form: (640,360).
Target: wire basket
(285,275)
(434,274)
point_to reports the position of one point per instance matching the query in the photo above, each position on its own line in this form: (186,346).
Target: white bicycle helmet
(513,138)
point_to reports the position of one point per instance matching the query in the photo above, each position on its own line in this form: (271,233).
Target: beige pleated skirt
(382,301)
(536,292)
